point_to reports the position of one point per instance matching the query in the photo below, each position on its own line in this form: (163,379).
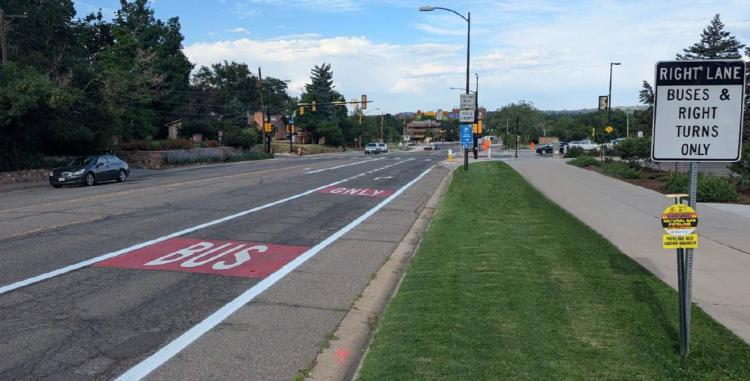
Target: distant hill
(589,110)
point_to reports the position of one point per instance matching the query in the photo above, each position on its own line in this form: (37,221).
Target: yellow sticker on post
(689,241)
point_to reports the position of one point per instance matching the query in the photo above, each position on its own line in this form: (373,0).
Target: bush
(574,152)
(710,188)
(212,144)
(742,167)
(620,169)
(241,137)
(585,161)
(135,145)
(167,145)
(634,149)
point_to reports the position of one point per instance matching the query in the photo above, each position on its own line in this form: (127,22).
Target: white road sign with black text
(468,101)
(466,116)
(698,110)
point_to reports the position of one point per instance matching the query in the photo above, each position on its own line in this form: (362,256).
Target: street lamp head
(426,8)
(614,63)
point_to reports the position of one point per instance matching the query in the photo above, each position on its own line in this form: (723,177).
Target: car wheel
(122,176)
(89,180)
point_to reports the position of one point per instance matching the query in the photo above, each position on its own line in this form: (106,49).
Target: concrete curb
(356,329)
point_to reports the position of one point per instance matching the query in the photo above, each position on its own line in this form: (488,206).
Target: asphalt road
(186,243)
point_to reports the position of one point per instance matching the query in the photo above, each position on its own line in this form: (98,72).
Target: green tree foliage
(531,121)
(327,121)
(73,84)
(715,43)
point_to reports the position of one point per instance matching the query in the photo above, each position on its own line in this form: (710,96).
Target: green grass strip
(506,285)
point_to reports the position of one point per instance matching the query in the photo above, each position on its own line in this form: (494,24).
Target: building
(423,130)
(277,121)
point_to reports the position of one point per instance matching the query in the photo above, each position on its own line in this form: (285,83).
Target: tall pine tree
(326,121)
(715,43)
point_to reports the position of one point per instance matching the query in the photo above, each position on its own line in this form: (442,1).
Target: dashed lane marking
(341,166)
(103,257)
(163,355)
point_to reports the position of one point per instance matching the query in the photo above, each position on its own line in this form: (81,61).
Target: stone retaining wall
(23,176)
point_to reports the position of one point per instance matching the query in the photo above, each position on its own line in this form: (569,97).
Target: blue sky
(555,54)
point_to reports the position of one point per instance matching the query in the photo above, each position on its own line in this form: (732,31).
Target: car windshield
(81,161)
(372,145)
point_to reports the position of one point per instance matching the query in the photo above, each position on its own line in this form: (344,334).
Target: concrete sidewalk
(629,217)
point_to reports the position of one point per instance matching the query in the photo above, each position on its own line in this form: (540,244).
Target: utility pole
(3,32)
(516,136)
(381,128)
(476,113)
(267,115)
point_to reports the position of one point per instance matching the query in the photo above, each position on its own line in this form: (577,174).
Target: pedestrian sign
(467,138)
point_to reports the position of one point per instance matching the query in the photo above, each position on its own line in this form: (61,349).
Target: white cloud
(554,55)
(238,30)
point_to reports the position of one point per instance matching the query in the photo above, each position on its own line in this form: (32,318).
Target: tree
(326,121)
(715,43)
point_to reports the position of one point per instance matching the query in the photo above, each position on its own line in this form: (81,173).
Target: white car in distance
(586,145)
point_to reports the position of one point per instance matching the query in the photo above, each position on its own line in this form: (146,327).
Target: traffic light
(301,110)
(267,127)
(314,106)
(364,101)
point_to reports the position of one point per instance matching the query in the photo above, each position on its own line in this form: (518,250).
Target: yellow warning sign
(679,220)
(689,241)
(608,129)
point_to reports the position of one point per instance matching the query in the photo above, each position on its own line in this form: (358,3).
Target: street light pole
(609,97)
(428,8)
(476,115)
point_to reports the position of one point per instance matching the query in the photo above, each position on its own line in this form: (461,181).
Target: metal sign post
(698,116)
(467,139)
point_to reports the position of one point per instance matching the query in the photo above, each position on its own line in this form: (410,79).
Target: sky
(555,54)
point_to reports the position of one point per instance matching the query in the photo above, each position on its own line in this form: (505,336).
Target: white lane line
(163,355)
(341,166)
(103,257)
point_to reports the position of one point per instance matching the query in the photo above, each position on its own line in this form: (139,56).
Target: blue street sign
(467,137)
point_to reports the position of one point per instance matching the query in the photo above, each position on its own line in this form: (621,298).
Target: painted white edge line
(103,257)
(163,355)
(341,166)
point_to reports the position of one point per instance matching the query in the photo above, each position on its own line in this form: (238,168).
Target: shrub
(135,145)
(241,137)
(176,144)
(742,167)
(585,161)
(634,149)
(710,188)
(212,144)
(574,152)
(620,169)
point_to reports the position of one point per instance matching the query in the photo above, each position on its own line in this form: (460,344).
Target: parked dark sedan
(90,170)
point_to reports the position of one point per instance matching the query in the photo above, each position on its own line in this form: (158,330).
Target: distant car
(586,145)
(428,148)
(614,142)
(371,148)
(543,149)
(90,170)
(383,147)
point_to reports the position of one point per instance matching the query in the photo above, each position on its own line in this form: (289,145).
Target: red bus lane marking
(230,258)
(367,192)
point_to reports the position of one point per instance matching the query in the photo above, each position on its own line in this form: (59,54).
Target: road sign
(608,129)
(467,138)
(439,114)
(230,258)
(689,241)
(698,110)
(468,101)
(466,116)
(679,220)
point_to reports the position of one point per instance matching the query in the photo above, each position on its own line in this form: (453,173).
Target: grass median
(507,285)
